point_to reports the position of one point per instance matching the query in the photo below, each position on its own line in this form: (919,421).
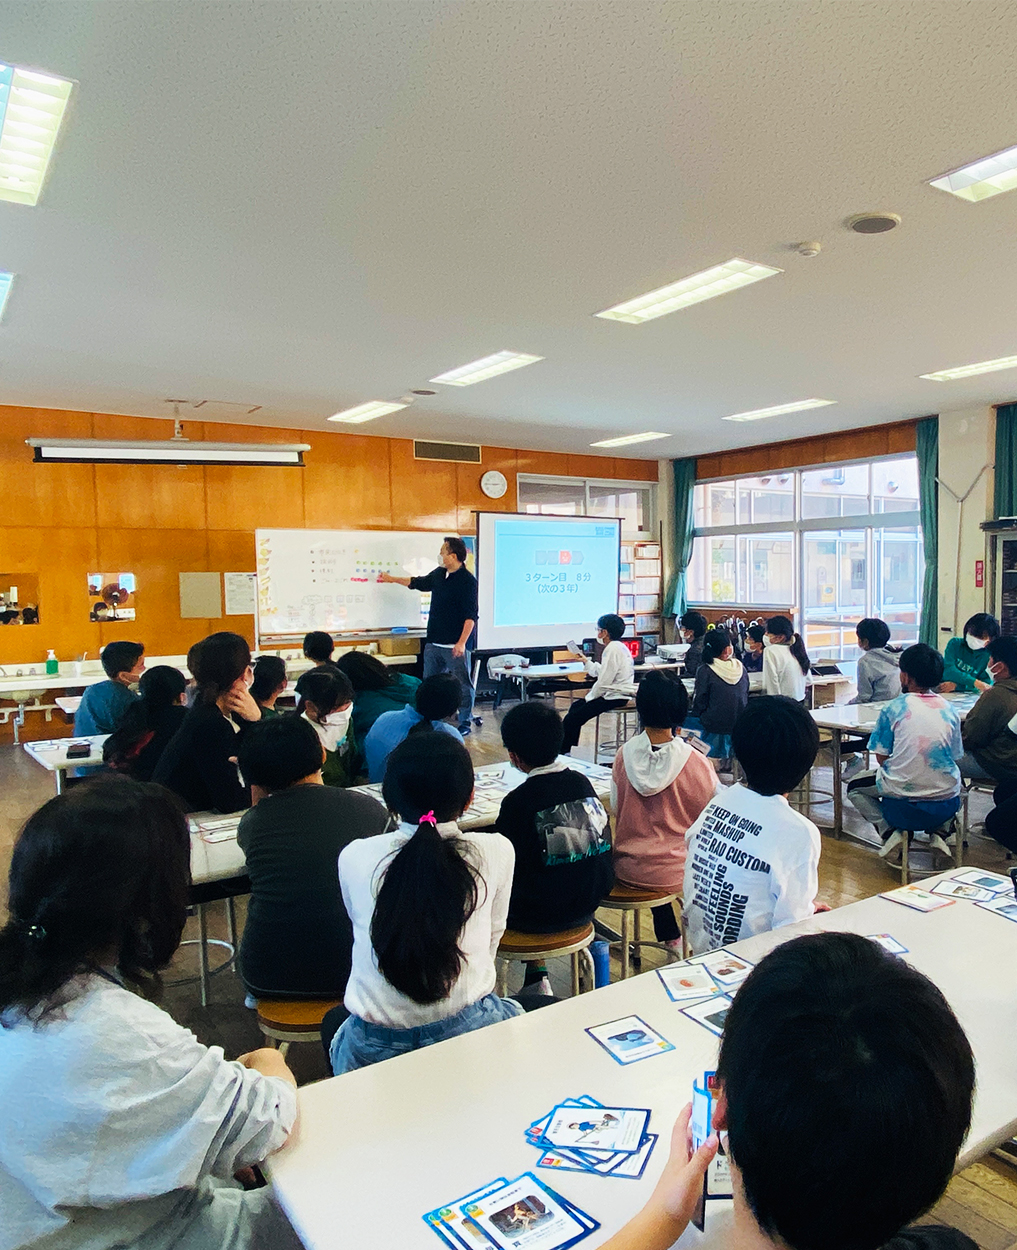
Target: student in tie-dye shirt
(917,741)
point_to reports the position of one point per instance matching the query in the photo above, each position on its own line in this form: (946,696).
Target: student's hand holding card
(680,1187)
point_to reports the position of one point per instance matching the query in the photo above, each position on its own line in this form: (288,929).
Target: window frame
(647,534)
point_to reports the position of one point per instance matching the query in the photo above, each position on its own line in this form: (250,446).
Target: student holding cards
(752,859)
(659,786)
(558,828)
(428,905)
(846,1085)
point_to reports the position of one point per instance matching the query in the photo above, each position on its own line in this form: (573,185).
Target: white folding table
(430,1126)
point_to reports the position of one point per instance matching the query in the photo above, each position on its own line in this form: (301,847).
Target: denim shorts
(359,1043)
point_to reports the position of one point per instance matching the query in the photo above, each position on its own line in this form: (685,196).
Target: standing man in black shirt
(451,621)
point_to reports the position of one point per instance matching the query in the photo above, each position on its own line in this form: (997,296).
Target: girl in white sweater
(785,660)
(117,1127)
(428,905)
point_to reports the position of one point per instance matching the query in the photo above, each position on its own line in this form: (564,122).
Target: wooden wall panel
(230,551)
(155,557)
(44,494)
(246,497)
(347,482)
(61,558)
(551,462)
(633,470)
(147,496)
(423,491)
(877,440)
(470,497)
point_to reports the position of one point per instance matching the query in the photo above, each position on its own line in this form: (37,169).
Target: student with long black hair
(785,660)
(721,693)
(428,904)
(136,745)
(117,1127)
(200,761)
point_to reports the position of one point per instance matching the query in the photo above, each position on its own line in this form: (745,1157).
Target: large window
(818,541)
(576,496)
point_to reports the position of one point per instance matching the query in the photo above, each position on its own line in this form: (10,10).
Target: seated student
(693,626)
(117,1127)
(615,680)
(721,693)
(659,786)
(191,693)
(269,683)
(785,660)
(428,905)
(200,760)
(103,705)
(833,1041)
(297,938)
(917,740)
(990,748)
(753,861)
(436,706)
(966,660)
(558,827)
(326,702)
(752,656)
(318,647)
(878,678)
(1001,822)
(376,690)
(148,724)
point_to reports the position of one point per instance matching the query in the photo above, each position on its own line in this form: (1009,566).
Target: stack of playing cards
(582,1135)
(523,1214)
(702,981)
(717,1181)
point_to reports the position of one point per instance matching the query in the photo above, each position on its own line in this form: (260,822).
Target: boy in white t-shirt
(753,861)
(917,741)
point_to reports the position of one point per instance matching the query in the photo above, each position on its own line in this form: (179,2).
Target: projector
(672,650)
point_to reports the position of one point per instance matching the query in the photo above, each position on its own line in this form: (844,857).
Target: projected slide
(544,579)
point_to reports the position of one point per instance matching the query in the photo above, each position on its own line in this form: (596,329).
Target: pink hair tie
(428,819)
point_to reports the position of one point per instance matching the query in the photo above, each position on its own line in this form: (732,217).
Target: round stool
(628,899)
(621,735)
(285,1020)
(536,947)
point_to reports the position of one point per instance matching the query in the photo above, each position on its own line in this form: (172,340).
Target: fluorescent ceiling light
(969,371)
(31,109)
(992,175)
(366,412)
(5,289)
(778,410)
(486,367)
(173,451)
(648,437)
(719,280)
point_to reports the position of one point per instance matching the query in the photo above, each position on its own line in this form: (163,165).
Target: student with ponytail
(136,745)
(785,660)
(117,1127)
(429,905)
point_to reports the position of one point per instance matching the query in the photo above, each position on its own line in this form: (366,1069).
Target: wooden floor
(981,1201)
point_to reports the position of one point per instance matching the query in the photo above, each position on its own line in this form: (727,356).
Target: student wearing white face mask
(966,659)
(326,701)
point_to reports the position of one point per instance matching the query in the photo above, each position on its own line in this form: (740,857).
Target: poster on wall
(111,596)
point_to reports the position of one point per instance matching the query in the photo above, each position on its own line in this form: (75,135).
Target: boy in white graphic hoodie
(752,859)
(659,786)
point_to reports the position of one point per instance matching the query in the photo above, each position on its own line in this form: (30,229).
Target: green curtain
(927,447)
(1006,461)
(681,538)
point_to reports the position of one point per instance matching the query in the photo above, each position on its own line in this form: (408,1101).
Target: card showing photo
(451,1225)
(603,1129)
(952,888)
(711,1014)
(1002,906)
(993,881)
(914,896)
(726,969)
(629,1039)
(889,943)
(686,982)
(526,1215)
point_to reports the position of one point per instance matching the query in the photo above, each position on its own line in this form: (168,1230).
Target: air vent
(461,453)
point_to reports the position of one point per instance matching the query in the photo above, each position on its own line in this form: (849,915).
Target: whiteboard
(328,579)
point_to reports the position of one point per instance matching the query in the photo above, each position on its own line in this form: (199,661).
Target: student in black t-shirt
(450,622)
(559,829)
(298,939)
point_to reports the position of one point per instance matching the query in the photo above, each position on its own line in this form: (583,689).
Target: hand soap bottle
(52,664)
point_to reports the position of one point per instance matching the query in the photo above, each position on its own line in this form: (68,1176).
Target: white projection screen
(544,579)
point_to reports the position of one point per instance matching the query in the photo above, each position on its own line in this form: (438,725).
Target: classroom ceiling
(304,206)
